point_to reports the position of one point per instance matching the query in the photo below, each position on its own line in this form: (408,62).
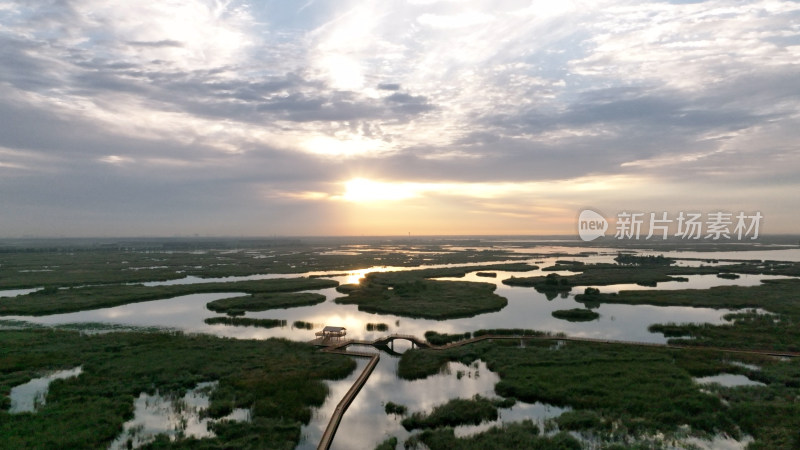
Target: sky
(339,117)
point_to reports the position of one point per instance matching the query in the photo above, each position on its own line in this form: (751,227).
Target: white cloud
(346,145)
(688,46)
(187,34)
(460,20)
(495,98)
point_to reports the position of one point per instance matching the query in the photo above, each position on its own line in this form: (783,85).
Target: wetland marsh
(265,296)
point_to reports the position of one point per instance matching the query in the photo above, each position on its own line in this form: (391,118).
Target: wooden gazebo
(332,333)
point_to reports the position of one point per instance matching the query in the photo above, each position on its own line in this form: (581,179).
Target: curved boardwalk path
(340,347)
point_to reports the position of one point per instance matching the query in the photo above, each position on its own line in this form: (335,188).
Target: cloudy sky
(338,117)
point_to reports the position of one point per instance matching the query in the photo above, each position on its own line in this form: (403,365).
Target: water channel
(365,423)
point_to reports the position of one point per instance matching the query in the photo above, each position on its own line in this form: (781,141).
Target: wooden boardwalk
(338,412)
(340,347)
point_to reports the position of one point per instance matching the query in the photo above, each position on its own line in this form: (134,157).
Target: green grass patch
(640,272)
(519,435)
(411,294)
(387,444)
(458,411)
(245,322)
(575,315)
(263,302)
(73,299)
(513,332)
(581,420)
(747,330)
(394,408)
(638,391)
(442,338)
(645,260)
(779,296)
(74,263)
(561,264)
(377,327)
(418,363)
(728,276)
(278,380)
(302,324)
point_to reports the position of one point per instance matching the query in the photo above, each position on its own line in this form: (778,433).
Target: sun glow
(360,190)
(355,276)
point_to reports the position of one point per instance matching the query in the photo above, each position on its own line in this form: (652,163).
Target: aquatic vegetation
(632,391)
(71,263)
(302,324)
(746,330)
(394,408)
(278,380)
(513,435)
(388,444)
(377,327)
(442,338)
(728,276)
(104,296)
(779,296)
(603,274)
(417,363)
(458,411)
(575,315)
(637,390)
(514,332)
(552,282)
(246,322)
(411,294)
(581,419)
(263,302)
(643,260)
(561,264)
(31,395)
(157,416)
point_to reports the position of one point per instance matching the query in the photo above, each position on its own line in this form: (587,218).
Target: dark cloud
(408,104)
(632,107)
(22,68)
(389,87)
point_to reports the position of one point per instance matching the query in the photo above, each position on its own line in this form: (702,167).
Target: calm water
(365,423)
(526,309)
(173,416)
(26,397)
(784,254)
(16,292)
(728,380)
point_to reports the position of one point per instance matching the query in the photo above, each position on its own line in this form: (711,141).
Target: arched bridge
(393,337)
(380,342)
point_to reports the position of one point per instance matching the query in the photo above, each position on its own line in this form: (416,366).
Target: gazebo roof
(330,329)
